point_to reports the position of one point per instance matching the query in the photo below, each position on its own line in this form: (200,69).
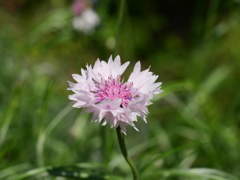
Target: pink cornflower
(85,17)
(78,7)
(101,90)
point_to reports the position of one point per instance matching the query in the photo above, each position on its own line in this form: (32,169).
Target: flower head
(101,90)
(78,7)
(85,17)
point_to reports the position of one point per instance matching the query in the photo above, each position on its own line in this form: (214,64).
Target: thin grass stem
(119,22)
(125,153)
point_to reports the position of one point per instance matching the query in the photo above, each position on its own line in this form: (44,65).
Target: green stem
(119,22)
(125,153)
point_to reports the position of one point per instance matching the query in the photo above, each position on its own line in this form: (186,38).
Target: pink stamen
(113,89)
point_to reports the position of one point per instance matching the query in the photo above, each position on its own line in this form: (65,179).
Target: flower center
(114,89)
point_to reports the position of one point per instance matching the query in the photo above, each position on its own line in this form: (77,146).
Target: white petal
(78,104)
(135,72)
(77,77)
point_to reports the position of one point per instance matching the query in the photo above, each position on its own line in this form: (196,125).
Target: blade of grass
(4,173)
(10,113)
(199,173)
(83,171)
(42,113)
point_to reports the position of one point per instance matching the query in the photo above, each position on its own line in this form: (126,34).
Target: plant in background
(85,18)
(101,90)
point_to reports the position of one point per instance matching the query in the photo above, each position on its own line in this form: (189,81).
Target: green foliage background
(193,127)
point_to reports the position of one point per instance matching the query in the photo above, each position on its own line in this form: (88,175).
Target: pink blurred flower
(87,21)
(101,90)
(85,17)
(78,7)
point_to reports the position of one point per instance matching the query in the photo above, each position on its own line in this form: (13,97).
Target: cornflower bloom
(101,90)
(85,17)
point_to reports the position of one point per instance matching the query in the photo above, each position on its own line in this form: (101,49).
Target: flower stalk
(125,153)
(119,22)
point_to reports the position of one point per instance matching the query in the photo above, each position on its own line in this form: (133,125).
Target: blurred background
(193,127)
